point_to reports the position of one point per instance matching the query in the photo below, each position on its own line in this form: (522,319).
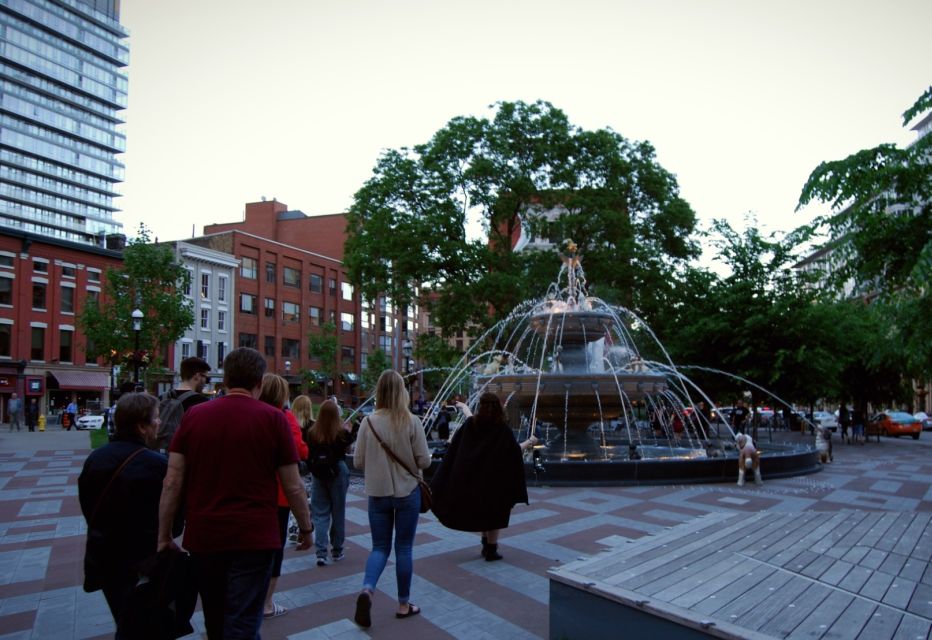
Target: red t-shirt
(233,447)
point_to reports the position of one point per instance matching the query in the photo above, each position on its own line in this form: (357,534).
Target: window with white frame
(221,320)
(347,290)
(247,303)
(205,318)
(222,288)
(186,289)
(205,286)
(346,321)
(185,350)
(93,275)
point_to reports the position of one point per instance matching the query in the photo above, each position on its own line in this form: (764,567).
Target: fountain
(568,370)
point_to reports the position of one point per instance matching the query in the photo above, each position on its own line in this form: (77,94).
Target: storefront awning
(82,380)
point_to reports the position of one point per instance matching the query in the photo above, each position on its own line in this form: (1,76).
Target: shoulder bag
(426,497)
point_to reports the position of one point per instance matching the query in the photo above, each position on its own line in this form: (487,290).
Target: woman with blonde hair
(303,410)
(327,442)
(394,496)
(275,392)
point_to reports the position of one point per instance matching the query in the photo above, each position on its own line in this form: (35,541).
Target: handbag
(426,496)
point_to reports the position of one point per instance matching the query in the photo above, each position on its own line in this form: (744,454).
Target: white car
(924,420)
(825,420)
(93,420)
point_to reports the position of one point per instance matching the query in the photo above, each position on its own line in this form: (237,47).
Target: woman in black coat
(481,477)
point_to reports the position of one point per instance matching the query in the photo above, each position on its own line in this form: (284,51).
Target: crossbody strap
(388,450)
(106,490)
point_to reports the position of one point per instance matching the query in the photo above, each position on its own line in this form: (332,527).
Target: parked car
(825,420)
(924,420)
(894,423)
(93,420)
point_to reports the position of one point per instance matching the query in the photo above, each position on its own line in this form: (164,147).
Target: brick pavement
(42,537)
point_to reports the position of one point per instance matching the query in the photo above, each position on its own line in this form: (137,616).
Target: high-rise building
(62,87)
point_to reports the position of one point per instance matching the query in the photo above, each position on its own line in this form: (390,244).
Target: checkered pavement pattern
(461,596)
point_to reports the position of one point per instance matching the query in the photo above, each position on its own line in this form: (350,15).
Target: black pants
(117,590)
(232,585)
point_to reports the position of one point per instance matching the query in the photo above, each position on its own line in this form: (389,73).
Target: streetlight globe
(137,319)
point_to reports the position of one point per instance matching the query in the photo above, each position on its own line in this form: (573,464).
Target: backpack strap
(90,522)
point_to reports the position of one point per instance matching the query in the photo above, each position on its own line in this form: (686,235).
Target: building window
(92,296)
(65,350)
(221,321)
(346,321)
(347,354)
(316,314)
(332,316)
(38,296)
(222,288)
(185,350)
(221,353)
(332,283)
(93,275)
(291,277)
(316,283)
(205,286)
(6,291)
(290,311)
(270,307)
(67,299)
(37,346)
(249,269)
(6,260)
(205,318)
(270,345)
(186,289)
(385,344)
(247,340)
(6,340)
(247,303)
(290,348)
(270,272)
(347,290)
(40,266)
(68,271)
(201,350)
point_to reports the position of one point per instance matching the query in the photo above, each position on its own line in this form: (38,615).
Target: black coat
(480,478)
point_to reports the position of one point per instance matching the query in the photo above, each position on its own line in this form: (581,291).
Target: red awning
(82,380)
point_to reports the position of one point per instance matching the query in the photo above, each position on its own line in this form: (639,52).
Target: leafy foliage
(150,279)
(377,362)
(407,225)
(437,357)
(323,345)
(881,222)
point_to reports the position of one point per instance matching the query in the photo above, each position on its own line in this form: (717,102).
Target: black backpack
(171,411)
(322,460)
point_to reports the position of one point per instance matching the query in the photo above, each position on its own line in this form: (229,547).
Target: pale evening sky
(232,100)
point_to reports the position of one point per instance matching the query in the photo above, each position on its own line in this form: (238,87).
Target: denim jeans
(232,585)
(385,514)
(328,511)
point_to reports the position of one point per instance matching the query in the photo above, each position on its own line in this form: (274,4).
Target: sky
(231,101)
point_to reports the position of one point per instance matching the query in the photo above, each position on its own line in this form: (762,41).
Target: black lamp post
(137,327)
(406,352)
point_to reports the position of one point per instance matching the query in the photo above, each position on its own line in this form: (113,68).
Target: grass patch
(99,438)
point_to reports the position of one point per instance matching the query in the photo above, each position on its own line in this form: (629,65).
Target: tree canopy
(407,226)
(881,225)
(152,280)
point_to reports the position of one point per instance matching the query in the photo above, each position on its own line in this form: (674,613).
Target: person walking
(32,414)
(15,407)
(119,489)
(327,442)
(303,410)
(481,477)
(175,402)
(224,465)
(394,495)
(275,393)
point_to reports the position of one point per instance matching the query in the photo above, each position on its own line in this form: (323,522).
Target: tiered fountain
(567,370)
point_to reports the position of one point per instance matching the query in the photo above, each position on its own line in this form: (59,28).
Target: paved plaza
(462,596)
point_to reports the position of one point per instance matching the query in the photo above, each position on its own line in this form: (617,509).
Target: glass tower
(62,86)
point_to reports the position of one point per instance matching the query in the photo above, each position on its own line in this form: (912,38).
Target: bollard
(41,423)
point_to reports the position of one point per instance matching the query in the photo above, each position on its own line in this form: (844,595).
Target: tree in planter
(152,280)
(407,224)
(323,345)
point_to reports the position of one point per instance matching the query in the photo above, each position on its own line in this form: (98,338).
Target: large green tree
(881,225)
(152,280)
(324,345)
(407,224)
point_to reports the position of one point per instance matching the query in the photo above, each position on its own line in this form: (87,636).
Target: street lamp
(406,351)
(287,367)
(137,327)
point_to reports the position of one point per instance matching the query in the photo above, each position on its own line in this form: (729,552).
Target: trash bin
(42,423)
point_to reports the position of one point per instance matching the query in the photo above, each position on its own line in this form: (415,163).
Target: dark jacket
(480,478)
(125,527)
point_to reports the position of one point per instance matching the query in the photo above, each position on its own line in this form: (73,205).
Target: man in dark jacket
(119,490)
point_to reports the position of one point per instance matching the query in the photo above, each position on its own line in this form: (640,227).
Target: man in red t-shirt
(223,464)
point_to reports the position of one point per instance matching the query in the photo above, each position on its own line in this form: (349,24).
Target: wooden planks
(847,574)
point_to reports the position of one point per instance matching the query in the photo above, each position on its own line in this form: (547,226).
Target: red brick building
(44,284)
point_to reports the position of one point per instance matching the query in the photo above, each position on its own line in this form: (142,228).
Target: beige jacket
(384,476)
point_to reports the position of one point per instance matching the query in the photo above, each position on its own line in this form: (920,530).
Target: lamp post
(406,352)
(137,327)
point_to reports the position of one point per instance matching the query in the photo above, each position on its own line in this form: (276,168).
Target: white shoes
(741,477)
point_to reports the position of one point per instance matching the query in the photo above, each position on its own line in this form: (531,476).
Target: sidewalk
(462,596)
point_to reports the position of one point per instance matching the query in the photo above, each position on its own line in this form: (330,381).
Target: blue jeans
(401,514)
(232,585)
(328,511)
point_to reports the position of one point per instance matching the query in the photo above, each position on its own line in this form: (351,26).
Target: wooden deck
(848,574)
